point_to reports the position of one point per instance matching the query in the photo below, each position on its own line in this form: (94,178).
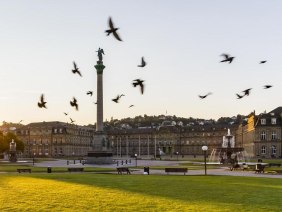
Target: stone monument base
(99,157)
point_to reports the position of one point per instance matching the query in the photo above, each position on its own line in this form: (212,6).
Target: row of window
(272,149)
(273,135)
(263,121)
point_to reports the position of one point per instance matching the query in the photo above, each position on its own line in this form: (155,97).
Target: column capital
(99,68)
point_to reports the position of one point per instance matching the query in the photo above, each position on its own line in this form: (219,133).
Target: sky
(181,42)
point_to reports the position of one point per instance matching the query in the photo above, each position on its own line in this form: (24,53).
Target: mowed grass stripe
(104,192)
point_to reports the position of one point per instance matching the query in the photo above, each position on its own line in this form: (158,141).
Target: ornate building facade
(54,139)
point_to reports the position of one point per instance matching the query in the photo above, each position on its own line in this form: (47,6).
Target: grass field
(108,192)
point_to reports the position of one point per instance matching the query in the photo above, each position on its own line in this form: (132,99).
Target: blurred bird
(72,121)
(74,103)
(247,92)
(89,93)
(202,97)
(42,102)
(143,63)
(95,103)
(66,113)
(140,83)
(20,121)
(131,106)
(112,30)
(263,61)
(75,70)
(227,58)
(117,98)
(239,96)
(267,86)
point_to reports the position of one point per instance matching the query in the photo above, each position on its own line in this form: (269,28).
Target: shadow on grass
(254,193)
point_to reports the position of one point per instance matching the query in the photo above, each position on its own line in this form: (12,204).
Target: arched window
(263,135)
(273,150)
(263,150)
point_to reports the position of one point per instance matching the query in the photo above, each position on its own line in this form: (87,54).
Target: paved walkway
(224,171)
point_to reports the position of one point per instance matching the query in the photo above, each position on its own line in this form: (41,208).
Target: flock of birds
(139,82)
(73,103)
(228,58)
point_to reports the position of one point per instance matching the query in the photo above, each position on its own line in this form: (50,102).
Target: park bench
(123,169)
(184,170)
(75,169)
(259,168)
(24,170)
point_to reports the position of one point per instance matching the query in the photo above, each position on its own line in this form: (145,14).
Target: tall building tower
(101,152)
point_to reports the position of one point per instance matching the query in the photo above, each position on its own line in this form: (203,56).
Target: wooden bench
(76,169)
(123,169)
(259,168)
(184,170)
(24,170)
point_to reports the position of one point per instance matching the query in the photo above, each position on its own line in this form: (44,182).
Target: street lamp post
(205,148)
(177,153)
(135,159)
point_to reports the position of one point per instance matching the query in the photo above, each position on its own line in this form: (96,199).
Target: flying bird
(247,92)
(20,121)
(143,63)
(112,30)
(239,96)
(263,61)
(116,100)
(42,102)
(72,121)
(227,58)
(66,113)
(95,103)
(74,103)
(76,70)
(131,106)
(267,86)
(202,97)
(140,83)
(89,93)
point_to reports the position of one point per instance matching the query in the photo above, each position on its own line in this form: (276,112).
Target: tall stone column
(101,152)
(99,125)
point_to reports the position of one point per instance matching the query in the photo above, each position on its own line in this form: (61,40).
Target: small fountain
(13,151)
(228,153)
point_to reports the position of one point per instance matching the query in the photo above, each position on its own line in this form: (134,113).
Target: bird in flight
(239,96)
(227,58)
(267,86)
(74,103)
(20,121)
(42,102)
(72,121)
(140,83)
(202,97)
(95,103)
(131,106)
(117,98)
(247,92)
(76,70)
(89,93)
(263,61)
(112,30)
(65,113)
(143,63)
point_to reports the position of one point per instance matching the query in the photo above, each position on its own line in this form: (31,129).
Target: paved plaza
(224,171)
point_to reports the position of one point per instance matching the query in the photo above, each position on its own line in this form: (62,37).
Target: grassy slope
(106,192)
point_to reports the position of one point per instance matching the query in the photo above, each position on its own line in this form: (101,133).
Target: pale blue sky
(181,41)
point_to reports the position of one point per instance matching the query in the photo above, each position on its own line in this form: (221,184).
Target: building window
(263,136)
(273,120)
(263,121)
(273,150)
(61,130)
(55,130)
(263,150)
(273,135)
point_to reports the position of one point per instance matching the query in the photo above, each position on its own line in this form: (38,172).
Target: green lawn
(108,192)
